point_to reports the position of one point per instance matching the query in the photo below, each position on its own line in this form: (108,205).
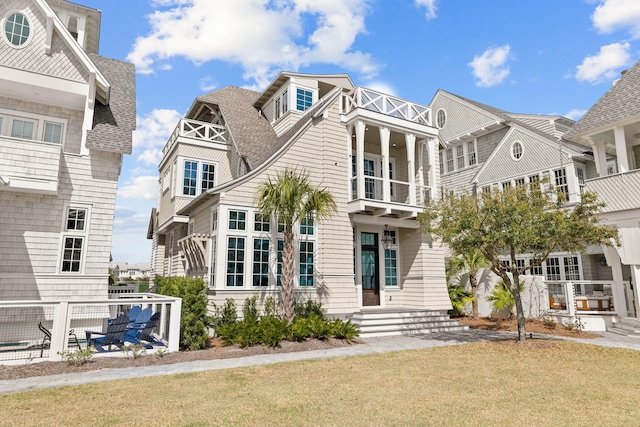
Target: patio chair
(133,313)
(136,335)
(114,335)
(141,318)
(46,339)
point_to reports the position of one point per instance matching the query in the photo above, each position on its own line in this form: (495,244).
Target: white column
(360,158)
(619,300)
(350,166)
(434,167)
(600,157)
(384,149)
(570,293)
(410,140)
(621,149)
(572,183)
(635,276)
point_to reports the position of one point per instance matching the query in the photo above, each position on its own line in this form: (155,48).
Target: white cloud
(614,15)
(140,187)
(430,6)
(207,85)
(605,65)
(152,133)
(490,68)
(263,36)
(382,87)
(575,114)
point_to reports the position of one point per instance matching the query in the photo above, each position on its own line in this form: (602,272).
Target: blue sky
(536,57)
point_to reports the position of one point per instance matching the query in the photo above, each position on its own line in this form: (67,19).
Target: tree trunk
(515,290)
(287,275)
(473,282)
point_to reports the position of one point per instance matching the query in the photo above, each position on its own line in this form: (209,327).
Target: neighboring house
(611,128)
(485,148)
(375,153)
(123,270)
(66,120)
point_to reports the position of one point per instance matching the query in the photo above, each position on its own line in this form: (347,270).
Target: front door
(369,265)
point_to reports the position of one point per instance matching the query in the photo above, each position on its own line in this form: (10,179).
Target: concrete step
(622,331)
(375,323)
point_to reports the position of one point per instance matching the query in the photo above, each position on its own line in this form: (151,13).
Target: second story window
(304,99)
(52,132)
(17,29)
(237,220)
(449,154)
(460,156)
(76,218)
(471,153)
(276,107)
(22,129)
(561,182)
(198,177)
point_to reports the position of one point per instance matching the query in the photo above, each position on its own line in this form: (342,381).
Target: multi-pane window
(561,182)
(306,263)
(449,154)
(237,220)
(208,177)
(520,263)
(76,218)
(460,156)
(260,262)
(285,102)
(235,261)
(519,182)
(72,254)
(471,153)
(553,268)
(580,175)
(17,29)
(391,267)
(22,129)
(506,185)
(516,150)
(306,226)
(304,99)
(52,132)
(537,270)
(191,185)
(441,162)
(260,222)
(279,262)
(214,220)
(276,109)
(190,182)
(571,268)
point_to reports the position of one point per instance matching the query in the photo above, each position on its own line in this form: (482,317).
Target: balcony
(402,202)
(370,100)
(29,166)
(619,192)
(196,130)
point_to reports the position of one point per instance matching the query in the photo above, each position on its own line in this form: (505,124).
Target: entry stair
(386,322)
(627,326)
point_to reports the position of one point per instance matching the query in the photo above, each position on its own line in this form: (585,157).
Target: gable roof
(251,132)
(114,123)
(621,102)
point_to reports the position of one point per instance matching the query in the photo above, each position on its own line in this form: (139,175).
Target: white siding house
(375,153)
(66,120)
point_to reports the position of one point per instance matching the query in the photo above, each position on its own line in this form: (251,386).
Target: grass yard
(553,383)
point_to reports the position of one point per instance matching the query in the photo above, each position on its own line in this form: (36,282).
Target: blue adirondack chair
(144,332)
(114,335)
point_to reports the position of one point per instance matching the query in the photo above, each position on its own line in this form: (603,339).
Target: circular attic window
(516,150)
(17,29)
(441,118)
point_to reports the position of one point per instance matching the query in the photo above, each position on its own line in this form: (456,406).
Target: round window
(441,118)
(16,29)
(516,150)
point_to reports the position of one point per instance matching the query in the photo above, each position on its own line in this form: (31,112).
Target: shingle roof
(620,102)
(252,133)
(507,117)
(113,124)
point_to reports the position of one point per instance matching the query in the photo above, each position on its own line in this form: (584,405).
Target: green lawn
(562,384)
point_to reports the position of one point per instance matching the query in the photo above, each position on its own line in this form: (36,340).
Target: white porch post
(351,154)
(410,140)
(434,168)
(619,300)
(621,149)
(571,298)
(384,149)
(600,157)
(360,158)
(635,276)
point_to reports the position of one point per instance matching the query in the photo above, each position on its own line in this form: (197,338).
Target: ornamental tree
(517,220)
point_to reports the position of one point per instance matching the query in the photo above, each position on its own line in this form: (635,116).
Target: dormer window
(17,29)
(304,99)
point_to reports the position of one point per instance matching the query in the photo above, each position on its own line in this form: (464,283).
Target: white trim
(30,21)
(512,150)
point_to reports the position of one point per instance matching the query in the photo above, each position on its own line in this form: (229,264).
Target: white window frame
(30,22)
(516,155)
(395,246)
(472,156)
(73,233)
(441,118)
(199,170)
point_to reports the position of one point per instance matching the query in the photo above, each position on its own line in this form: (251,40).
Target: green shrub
(194,319)
(227,315)
(299,329)
(247,333)
(78,357)
(319,327)
(250,311)
(228,333)
(344,330)
(273,330)
(270,307)
(460,298)
(307,309)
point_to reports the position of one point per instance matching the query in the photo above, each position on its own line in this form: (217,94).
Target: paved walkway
(371,346)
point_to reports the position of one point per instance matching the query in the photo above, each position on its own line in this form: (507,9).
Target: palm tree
(472,262)
(291,198)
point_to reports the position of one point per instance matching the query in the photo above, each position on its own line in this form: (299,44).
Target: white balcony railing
(385,104)
(399,191)
(194,129)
